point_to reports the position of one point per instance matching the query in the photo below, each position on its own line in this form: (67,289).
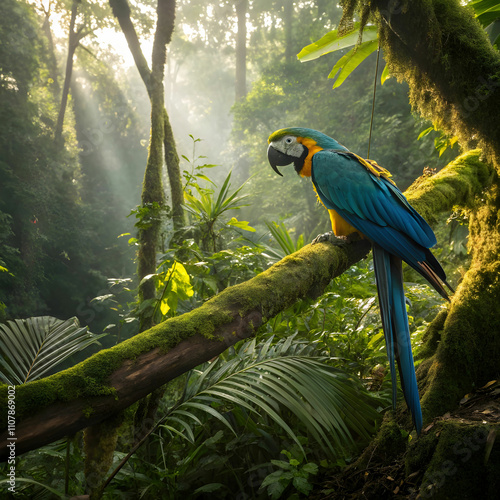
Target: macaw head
(295,145)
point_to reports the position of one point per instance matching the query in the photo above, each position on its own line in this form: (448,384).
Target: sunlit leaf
(385,75)
(348,63)
(242,224)
(174,284)
(332,42)
(205,178)
(425,132)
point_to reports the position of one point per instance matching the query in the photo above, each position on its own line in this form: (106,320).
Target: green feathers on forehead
(321,139)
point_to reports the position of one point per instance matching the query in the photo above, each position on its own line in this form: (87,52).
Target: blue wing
(378,209)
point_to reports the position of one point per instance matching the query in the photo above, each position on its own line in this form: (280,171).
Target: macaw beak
(277,158)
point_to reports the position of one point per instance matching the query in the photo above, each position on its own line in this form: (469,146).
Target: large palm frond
(31,347)
(276,379)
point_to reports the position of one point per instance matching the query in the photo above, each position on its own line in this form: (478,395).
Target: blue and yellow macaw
(362,198)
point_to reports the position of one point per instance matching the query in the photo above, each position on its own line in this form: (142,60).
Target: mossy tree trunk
(454,77)
(121,11)
(153,199)
(161,147)
(453,74)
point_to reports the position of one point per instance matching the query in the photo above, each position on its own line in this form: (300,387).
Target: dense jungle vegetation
(135,187)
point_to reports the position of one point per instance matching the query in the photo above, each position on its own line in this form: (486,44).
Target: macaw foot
(338,241)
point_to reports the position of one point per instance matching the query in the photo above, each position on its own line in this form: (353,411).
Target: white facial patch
(288,145)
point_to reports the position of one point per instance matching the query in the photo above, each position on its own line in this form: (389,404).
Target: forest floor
(380,481)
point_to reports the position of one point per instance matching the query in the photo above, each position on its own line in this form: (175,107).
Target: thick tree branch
(113,379)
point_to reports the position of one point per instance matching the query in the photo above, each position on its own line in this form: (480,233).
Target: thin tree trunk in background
(153,80)
(241,50)
(72,45)
(174,172)
(52,64)
(288,22)
(121,10)
(152,189)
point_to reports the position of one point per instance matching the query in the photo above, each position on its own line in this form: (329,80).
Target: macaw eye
(289,140)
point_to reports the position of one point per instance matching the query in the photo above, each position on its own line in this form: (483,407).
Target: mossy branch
(457,184)
(113,379)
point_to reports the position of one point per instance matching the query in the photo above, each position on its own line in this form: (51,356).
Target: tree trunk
(52,61)
(115,378)
(73,41)
(456,84)
(121,10)
(174,173)
(453,74)
(241,50)
(152,191)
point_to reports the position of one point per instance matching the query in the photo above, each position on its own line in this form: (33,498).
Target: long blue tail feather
(389,276)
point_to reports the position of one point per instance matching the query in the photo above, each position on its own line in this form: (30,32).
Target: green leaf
(270,378)
(205,178)
(275,490)
(5,270)
(175,285)
(332,42)
(486,11)
(385,75)
(282,464)
(348,63)
(302,485)
(209,488)
(54,492)
(489,17)
(272,478)
(243,224)
(310,468)
(425,132)
(282,236)
(147,278)
(31,347)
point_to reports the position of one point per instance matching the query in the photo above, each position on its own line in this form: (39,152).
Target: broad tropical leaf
(332,42)
(31,347)
(348,63)
(269,379)
(486,11)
